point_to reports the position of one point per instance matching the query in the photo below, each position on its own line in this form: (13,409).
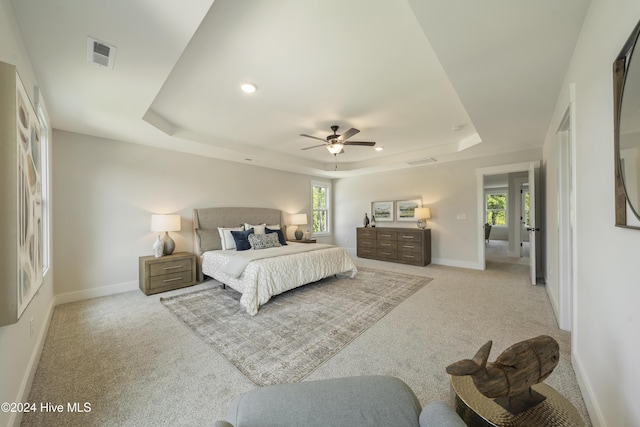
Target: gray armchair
(353,401)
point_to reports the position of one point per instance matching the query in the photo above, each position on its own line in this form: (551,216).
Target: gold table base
(478,410)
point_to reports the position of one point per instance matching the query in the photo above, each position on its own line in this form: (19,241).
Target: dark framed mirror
(626,85)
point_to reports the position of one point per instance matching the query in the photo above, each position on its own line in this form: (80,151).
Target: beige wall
(449,189)
(106,191)
(606,344)
(20,346)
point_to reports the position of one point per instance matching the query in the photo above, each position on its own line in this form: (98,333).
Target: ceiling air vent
(100,53)
(422,161)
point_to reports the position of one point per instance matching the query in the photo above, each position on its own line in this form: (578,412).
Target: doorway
(530,168)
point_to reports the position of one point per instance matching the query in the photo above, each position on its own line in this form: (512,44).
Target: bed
(261,274)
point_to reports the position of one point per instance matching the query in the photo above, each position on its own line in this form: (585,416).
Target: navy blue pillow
(281,238)
(242,239)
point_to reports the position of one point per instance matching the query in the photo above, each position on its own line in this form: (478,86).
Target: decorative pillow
(208,241)
(242,239)
(258,229)
(263,241)
(226,238)
(277,231)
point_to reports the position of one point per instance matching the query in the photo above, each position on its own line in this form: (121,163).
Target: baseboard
(456,263)
(95,292)
(25,387)
(595,413)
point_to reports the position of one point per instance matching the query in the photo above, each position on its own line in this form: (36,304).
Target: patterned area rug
(296,331)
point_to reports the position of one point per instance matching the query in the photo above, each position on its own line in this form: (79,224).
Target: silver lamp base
(422,224)
(169,244)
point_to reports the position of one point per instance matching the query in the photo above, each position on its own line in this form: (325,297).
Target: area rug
(297,331)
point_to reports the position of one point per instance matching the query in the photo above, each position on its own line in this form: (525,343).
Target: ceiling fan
(335,143)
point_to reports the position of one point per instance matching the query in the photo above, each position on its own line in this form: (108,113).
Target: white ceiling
(405,72)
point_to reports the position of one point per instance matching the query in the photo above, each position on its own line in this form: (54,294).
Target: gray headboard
(212,218)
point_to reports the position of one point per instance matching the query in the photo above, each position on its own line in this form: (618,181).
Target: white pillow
(273,227)
(257,229)
(227,240)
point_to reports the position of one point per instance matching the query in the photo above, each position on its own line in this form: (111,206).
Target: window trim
(328,187)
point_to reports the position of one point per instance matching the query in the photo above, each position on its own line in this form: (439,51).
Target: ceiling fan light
(335,147)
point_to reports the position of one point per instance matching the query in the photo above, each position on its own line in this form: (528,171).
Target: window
(320,196)
(496,208)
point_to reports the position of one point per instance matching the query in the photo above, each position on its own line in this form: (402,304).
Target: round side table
(478,410)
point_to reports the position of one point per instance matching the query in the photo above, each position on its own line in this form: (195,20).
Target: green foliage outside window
(320,209)
(496,209)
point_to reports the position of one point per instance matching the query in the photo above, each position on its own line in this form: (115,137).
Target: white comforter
(285,270)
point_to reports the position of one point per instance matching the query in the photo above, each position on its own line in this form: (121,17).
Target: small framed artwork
(383,211)
(405,209)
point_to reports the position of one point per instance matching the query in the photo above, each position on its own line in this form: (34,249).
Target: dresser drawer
(405,246)
(169,267)
(410,236)
(387,244)
(366,243)
(410,258)
(366,252)
(386,235)
(366,233)
(387,253)
(173,279)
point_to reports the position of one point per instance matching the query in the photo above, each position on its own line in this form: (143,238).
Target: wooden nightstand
(167,273)
(302,240)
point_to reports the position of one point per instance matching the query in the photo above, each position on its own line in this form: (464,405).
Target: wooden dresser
(403,245)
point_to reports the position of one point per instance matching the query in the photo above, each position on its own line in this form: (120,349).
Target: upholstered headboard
(207,220)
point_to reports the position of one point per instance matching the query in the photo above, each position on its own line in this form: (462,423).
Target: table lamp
(166,223)
(423,214)
(299,219)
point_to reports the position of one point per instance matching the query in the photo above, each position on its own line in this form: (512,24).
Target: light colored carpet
(297,331)
(137,366)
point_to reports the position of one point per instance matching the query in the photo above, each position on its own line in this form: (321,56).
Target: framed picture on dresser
(405,209)
(383,211)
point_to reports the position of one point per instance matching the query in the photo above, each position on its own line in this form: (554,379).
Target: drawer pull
(385,235)
(366,243)
(408,237)
(408,256)
(171,268)
(385,244)
(172,280)
(408,246)
(385,253)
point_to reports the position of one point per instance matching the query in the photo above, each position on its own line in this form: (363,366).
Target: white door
(532,222)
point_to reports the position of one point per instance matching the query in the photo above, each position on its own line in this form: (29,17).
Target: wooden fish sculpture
(518,367)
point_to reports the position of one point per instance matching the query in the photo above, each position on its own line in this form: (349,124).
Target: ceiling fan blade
(348,134)
(362,143)
(313,137)
(315,146)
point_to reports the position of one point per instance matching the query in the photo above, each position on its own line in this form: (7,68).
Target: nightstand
(167,273)
(302,240)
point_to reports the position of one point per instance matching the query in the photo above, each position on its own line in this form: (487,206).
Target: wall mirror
(626,82)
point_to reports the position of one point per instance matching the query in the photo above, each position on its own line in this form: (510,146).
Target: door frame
(480,174)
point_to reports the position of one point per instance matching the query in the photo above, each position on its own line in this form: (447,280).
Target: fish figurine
(519,367)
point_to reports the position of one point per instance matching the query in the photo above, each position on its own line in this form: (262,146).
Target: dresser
(167,273)
(403,245)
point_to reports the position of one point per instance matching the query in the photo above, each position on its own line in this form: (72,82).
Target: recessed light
(379,148)
(248,87)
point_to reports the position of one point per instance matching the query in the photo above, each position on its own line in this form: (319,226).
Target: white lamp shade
(298,219)
(422,213)
(165,222)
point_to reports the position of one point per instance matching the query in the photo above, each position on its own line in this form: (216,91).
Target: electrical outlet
(31,327)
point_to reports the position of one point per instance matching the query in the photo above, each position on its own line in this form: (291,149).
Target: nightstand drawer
(410,257)
(409,247)
(387,244)
(173,279)
(169,267)
(386,235)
